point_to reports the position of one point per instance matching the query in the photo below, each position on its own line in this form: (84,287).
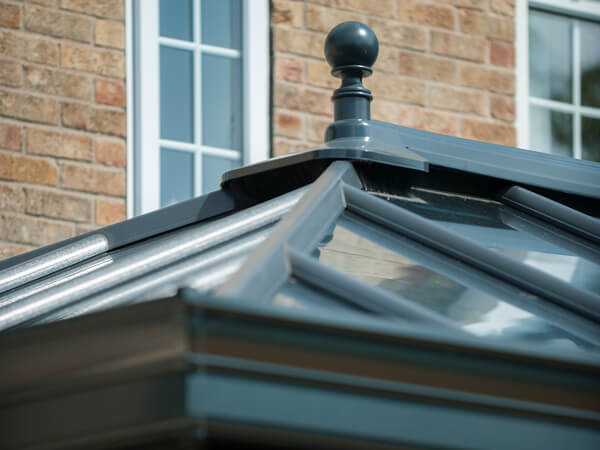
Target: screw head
(351,46)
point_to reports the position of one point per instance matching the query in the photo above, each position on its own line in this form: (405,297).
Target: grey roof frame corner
(393,288)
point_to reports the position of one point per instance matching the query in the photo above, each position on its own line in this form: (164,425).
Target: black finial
(351,49)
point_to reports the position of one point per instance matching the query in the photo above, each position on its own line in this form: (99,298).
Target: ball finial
(351,46)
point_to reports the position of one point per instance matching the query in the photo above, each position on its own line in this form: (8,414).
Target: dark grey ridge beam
(147,257)
(211,367)
(553,212)
(501,266)
(135,229)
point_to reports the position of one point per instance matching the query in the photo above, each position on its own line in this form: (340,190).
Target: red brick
(109,34)
(300,42)
(27,47)
(426,13)
(457,45)
(399,34)
(495,27)
(315,129)
(8,250)
(111,9)
(393,87)
(285,12)
(324,19)
(503,108)
(11,198)
(11,136)
(93,179)
(506,7)
(293,96)
(28,107)
(108,63)
(289,124)
(58,205)
(427,67)
(91,118)
(55,82)
(284,146)
(388,59)
(57,24)
(384,110)
(491,79)
(43,2)
(10,15)
(109,212)
(384,8)
(456,99)
(60,144)
(33,230)
(318,73)
(502,54)
(474,4)
(81,228)
(111,152)
(26,168)
(289,69)
(496,133)
(110,92)
(423,119)
(10,73)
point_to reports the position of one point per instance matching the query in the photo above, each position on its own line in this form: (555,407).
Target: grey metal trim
(367,297)
(150,256)
(266,269)
(147,225)
(52,261)
(553,212)
(494,263)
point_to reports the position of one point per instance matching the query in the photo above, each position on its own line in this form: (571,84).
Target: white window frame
(577,9)
(143,99)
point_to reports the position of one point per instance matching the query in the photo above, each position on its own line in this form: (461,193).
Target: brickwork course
(62,120)
(445,66)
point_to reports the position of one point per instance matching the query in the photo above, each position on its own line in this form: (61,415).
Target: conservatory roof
(393,277)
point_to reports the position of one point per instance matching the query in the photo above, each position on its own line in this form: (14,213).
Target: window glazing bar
(553,212)
(362,295)
(267,268)
(450,243)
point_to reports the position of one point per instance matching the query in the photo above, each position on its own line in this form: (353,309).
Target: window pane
(212,169)
(590,139)
(550,70)
(221,102)
(590,64)
(176,94)
(508,231)
(221,23)
(176,176)
(176,19)
(355,247)
(551,131)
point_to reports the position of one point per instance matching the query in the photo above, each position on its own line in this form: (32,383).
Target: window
(559,77)
(199,94)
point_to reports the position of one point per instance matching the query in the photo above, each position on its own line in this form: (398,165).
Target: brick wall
(62,119)
(444,65)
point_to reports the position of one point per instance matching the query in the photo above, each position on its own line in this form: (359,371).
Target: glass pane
(212,169)
(221,23)
(176,176)
(590,64)
(503,229)
(221,102)
(590,138)
(176,94)
(295,295)
(355,247)
(176,19)
(550,70)
(551,131)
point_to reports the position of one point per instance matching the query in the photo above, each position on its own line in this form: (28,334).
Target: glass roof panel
(511,232)
(354,248)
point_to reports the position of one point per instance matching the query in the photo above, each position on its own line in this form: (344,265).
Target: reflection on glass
(221,102)
(590,138)
(296,295)
(212,169)
(221,23)
(355,248)
(550,68)
(176,176)
(590,64)
(176,94)
(176,19)
(501,228)
(551,131)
